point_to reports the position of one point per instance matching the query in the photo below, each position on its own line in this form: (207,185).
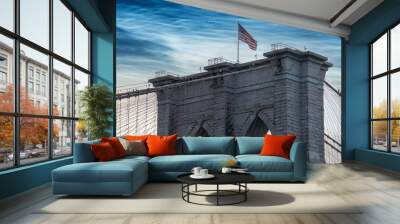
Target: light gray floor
(379,189)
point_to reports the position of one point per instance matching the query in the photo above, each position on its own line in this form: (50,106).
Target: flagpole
(237,42)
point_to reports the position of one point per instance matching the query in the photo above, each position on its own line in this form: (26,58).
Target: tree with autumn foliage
(380,127)
(33,131)
(81,130)
(6,122)
(395,123)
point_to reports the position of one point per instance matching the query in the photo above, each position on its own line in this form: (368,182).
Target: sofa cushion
(136,137)
(103,152)
(277,145)
(112,171)
(131,158)
(208,145)
(134,147)
(161,145)
(249,145)
(83,152)
(257,163)
(116,145)
(185,163)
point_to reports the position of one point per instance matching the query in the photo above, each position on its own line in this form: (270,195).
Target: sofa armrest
(299,159)
(83,152)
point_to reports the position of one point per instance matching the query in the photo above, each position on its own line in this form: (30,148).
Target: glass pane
(395,94)
(395,47)
(6,142)
(62,89)
(62,138)
(7,14)
(379,97)
(35,21)
(62,29)
(6,74)
(33,139)
(81,81)
(379,55)
(34,97)
(81,45)
(81,131)
(395,136)
(379,135)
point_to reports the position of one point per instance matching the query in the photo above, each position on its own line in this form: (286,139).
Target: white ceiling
(317,15)
(320,9)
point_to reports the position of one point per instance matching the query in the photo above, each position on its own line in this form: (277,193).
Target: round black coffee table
(238,179)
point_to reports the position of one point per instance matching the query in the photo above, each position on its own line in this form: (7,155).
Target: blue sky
(157,35)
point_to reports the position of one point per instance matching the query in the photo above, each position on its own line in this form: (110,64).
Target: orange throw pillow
(161,145)
(116,145)
(103,152)
(277,145)
(136,137)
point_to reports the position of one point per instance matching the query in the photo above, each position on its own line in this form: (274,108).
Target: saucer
(208,176)
(240,171)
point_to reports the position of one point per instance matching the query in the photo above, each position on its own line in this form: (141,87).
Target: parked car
(22,155)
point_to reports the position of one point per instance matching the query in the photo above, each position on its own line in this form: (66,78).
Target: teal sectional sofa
(125,176)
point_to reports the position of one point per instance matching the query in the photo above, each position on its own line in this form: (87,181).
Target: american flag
(247,38)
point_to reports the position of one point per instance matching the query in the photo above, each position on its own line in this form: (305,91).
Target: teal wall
(355,85)
(24,178)
(103,52)
(102,59)
(99,15)
(103,66)
(381,159)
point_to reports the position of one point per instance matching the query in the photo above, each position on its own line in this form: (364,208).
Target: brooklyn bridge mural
(281,93)
(261,78)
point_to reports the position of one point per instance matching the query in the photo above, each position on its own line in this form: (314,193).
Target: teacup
(203,172)
(196,171)
(226,170)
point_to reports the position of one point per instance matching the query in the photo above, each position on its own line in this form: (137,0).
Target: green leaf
(96,102)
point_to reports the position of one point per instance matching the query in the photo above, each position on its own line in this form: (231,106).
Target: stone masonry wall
(284,90)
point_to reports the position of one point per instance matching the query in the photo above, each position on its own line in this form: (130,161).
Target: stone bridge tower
(281,93)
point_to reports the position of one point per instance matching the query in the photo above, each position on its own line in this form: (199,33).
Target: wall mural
(195,72)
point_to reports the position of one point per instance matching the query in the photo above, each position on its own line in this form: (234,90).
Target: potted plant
(96,103)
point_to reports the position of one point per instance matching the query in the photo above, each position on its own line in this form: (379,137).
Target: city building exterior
(5,66)
(34,81)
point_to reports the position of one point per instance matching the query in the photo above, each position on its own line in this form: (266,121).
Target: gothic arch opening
(202,132)
(257,128)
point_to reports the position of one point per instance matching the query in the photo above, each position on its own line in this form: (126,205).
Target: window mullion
(16,85)
(371,142)
(50,81)
(389,105)
(73,81)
